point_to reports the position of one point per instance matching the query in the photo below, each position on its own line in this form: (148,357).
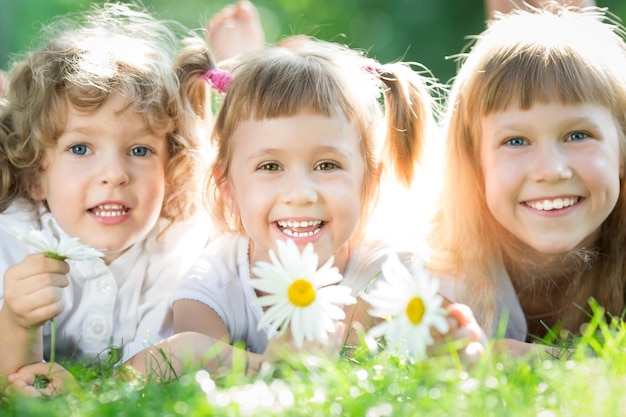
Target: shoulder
(220,262)
(217,277)
(19,218)
(20,214)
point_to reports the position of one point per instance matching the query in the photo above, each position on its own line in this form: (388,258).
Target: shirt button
(98,328)
(104,285)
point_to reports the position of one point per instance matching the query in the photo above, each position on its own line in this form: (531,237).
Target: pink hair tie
(219,79)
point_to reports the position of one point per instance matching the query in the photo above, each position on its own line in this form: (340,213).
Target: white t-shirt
(507,304)
(123,304)
(219,279)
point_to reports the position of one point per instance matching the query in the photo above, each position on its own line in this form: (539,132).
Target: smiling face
(298,178)
(104,181)
(552,172)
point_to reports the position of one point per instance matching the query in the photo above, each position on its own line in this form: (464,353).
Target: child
(531,222)
(100,141)
(298,156)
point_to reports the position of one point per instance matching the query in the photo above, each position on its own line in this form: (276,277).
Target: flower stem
(53,342)
(53,325)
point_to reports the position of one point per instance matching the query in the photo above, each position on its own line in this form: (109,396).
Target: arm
(33,294)
(194,316)
(172,357)
(201,339)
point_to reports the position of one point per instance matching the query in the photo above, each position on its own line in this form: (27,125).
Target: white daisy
(55,244)
(299,295)
(408,302)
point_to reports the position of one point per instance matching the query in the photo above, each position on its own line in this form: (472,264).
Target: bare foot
(234,30)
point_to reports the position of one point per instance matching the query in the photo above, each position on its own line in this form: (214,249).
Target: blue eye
(79,149)
(577,136)
(517,141)
(139,151)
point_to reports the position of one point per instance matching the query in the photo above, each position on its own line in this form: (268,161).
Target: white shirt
(219,279)
(123,304)
(508,306)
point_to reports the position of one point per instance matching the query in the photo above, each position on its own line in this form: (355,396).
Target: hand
(280,347)
(464,334)
(33,289)
(23,381)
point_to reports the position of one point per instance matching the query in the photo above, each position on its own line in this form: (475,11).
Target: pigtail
(408,108)
(194,60)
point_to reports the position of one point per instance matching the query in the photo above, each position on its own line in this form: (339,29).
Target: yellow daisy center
(301,293)
(415,310)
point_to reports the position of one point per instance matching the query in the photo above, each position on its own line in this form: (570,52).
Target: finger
(40,306)
(463,314)
(472,354)
(35,264)
(21,378)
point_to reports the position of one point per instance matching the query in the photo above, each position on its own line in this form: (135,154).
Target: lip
(300,230)
(553,206)
(110,212)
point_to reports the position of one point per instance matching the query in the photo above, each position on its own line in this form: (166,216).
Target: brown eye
(326,166)
(270,166)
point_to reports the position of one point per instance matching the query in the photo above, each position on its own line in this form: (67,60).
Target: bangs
(526,76)
(282,84)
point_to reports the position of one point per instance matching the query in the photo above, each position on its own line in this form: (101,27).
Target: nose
(300,188)
(113,171)
(551,164)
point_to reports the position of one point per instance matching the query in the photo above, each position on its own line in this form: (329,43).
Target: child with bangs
(101,142)
(531,218)
(301,144)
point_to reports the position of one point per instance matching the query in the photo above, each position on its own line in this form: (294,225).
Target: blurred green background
(425,31)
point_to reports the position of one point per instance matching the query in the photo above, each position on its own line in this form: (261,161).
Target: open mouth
(555,204)
(303,228)
(109,210)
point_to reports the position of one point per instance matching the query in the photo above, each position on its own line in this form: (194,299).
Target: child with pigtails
(301,144)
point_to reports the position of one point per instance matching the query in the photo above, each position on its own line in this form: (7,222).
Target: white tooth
(547,205)
(558,203)
(304,223)
(539,205)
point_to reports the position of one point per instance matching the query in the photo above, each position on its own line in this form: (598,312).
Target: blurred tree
(424,31)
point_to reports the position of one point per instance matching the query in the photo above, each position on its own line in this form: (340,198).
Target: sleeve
(212,280)
(169,258)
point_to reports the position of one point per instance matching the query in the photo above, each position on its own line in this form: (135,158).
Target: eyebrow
(317,149)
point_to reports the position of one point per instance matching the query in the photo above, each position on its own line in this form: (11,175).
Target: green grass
(590,382)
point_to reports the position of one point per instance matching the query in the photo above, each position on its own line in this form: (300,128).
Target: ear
(225,191)
(36,191)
